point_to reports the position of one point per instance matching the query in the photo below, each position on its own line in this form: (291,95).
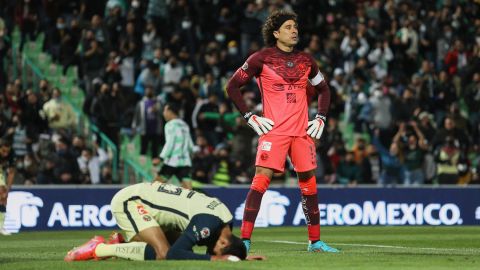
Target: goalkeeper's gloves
(315,127)
(261,125)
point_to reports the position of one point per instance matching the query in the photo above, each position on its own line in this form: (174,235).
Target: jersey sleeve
(202,230)
(252,67)
(169,141)
(317,80)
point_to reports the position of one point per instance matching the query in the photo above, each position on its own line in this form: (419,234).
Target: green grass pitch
(285,248)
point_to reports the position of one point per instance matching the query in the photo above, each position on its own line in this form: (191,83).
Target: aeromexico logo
(275,207)
(24,210)
(382,213)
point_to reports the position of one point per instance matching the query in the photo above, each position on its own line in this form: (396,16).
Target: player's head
(231,245)
(171,111)
(280,26)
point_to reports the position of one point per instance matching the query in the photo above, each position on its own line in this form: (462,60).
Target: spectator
(414,151)
(4,48)
(222,167)
(27,18)
(171,72)
(448,158)
(148,122)
(151,40)
(392,171)
(348,172)
(449,130)
(206,126)
(31,111)
(90,164)
(107,111)
(65,168)
(202,159)
(149,76)
(58,113)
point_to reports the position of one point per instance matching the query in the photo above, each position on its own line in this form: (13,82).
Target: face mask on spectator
(27,163)
(135,4)
(220,38)
(186,24)
(60,26)
(233,50)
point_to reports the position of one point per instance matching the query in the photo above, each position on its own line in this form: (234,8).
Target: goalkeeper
(283,75)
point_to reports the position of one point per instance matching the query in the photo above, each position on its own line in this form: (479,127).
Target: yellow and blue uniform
(174,209)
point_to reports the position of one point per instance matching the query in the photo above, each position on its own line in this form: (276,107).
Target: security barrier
(83,207)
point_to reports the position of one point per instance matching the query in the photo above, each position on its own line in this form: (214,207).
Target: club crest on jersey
(266,146)
(245,66)
(141,210)
(205,233)
(289,64)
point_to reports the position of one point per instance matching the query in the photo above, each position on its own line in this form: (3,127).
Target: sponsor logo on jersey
(141,210)
(291,98)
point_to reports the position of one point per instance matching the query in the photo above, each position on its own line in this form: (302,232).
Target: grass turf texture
(285,248)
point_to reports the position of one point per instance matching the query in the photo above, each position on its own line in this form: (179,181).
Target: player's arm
(169,142)
(11,171)
(182,249)
(317,80)
(200,230)
(251,68)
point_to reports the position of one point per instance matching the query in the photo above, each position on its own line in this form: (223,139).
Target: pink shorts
(272,152)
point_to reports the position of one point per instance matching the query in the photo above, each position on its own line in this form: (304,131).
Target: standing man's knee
(262,178)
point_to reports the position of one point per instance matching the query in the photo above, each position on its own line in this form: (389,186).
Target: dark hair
(173,107)
(273,23)
(6,143)
(236,248)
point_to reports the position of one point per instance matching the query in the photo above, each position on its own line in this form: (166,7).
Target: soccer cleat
(86,251)
(115,238)
(247,244)
(320,246)
(4,232)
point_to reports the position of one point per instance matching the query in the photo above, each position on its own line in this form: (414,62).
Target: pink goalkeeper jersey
(282,78)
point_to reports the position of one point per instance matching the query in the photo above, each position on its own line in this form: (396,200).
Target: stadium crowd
(404,77)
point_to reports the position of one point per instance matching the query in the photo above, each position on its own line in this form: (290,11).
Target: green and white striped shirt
(178,144)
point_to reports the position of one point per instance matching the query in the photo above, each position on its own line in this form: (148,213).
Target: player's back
(170,205)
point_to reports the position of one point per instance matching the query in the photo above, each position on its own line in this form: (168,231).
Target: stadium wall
(62,208)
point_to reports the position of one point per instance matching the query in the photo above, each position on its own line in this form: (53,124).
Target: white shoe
(4,232)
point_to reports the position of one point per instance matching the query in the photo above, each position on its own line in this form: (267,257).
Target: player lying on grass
(163,221)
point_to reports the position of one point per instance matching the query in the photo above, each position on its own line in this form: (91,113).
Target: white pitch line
(474,250)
